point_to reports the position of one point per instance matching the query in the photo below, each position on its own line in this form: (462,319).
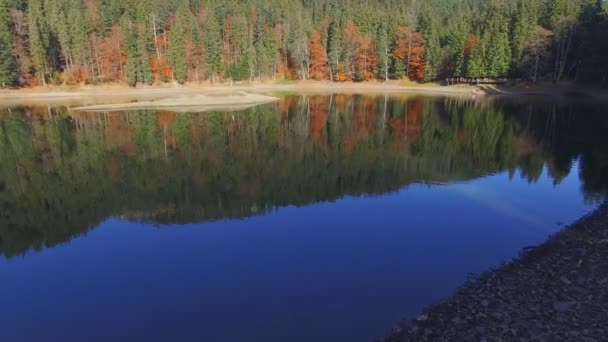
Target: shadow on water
(62,172)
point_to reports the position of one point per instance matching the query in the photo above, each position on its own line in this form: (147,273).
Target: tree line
(154,41)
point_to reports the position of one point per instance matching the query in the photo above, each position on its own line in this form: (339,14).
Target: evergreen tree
(475,66)
(213,45)
(38,38)
(8,68)
(70,39)
(335,46)
(177,44)
(383,53)
(458,33)
(138,68)
(497,54)
(432,56)
(266,51)
(131,67)
(143,46)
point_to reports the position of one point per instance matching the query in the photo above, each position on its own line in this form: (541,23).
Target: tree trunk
(155,36)
(535,78)
(386,65)
(409,45)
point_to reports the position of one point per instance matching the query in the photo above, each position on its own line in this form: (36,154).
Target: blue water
(316,219)
(332,271)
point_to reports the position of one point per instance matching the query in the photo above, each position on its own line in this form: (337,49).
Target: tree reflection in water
(63,172)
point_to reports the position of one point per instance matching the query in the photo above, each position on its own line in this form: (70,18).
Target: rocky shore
(554,292)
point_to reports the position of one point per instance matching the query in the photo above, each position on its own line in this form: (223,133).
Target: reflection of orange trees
(461,136)
(363,123)
(397,126)
(283,108)
(120,133)
(341,101)
(285,104)
(79,158)
(414,119)
(318,106)
(117,131)
(407,126)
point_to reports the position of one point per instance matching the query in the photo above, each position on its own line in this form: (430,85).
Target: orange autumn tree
(470,43)
(341,74)
(350,38)
(112,57)
(319,69)
(158,62)
(409,52)
(366,59)
(160,68)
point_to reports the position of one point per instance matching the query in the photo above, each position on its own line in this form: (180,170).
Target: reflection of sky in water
(514,199)
(342,271)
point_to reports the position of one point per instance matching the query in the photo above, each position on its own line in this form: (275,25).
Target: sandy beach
(92,95)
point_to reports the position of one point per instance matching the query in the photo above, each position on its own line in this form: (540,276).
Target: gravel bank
(555,292)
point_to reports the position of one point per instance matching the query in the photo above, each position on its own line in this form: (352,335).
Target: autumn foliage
(409,50)
(366,58)
(160,68)
(319,69)
(112,56)
(470,43)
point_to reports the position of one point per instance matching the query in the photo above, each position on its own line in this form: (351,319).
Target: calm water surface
(318,218)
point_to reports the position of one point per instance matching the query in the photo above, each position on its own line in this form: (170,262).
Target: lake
(316,218)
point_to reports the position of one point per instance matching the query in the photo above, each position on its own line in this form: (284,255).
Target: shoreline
(557,291)
(88,91)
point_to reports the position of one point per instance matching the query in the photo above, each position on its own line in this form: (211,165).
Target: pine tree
(432,51)
(143,45)
(525,18)
(458,34)
(383,53)
(131,66)
(65,39)
(299,47)
(39,38)
(266,51)
(177,44)
(8,68)
(335,47)
(497,54)
(475,66)
(213,45)
(137,68)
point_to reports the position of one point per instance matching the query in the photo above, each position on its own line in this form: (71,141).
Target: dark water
(319,218)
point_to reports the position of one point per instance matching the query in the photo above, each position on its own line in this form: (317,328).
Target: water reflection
(63,172)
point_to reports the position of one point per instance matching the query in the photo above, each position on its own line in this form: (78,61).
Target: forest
(154,41)
(63,172)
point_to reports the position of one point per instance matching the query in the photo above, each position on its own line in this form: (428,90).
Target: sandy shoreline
(557,291)
(190,103)
(153,92)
